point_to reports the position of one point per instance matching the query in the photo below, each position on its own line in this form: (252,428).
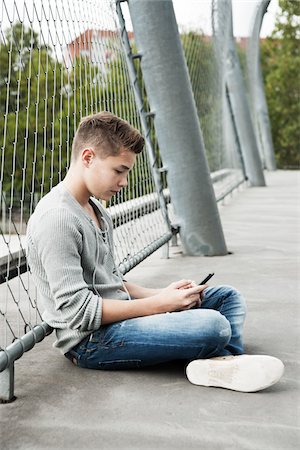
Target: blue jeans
(213,329)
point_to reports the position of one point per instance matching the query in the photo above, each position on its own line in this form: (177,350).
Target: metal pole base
(165,251)
(7,381)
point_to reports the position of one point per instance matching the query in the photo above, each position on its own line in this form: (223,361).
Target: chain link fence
(204,45)
(59,62)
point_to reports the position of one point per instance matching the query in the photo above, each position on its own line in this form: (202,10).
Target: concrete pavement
(60,406)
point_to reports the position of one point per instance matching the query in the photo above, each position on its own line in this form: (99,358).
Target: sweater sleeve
(58,243)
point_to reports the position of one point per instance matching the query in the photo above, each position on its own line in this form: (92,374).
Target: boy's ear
(87,156)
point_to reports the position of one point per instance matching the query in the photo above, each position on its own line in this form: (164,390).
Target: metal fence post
(177,126)
(256,86)
(143,114)
(7,382)
(238,100)
(13,352)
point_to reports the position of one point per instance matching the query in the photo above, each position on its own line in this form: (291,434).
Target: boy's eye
(119,171)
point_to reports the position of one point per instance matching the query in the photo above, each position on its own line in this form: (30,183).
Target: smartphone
(207,278)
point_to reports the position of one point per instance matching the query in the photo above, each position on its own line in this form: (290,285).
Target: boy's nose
(123,182)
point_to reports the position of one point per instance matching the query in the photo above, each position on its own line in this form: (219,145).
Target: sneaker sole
(244,373)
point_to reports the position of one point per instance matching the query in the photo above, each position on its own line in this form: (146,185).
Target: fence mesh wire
(204,44)
(60,60)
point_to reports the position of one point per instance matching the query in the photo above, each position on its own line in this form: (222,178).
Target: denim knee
(217,329)
(221,330)
(216,336)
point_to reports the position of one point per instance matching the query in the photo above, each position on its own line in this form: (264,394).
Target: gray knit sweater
(72,264)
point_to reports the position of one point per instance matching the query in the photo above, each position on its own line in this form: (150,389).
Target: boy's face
(105,177)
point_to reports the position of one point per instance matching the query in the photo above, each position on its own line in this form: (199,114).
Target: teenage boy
(105,322)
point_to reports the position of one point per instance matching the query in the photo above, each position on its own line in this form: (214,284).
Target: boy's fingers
(203,286)
(182,283)
(196,289)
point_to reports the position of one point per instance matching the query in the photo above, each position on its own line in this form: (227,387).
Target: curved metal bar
(126,266)
(260,113)
(21,345)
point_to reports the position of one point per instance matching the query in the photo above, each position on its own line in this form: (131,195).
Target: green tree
(31,108)
(281,69)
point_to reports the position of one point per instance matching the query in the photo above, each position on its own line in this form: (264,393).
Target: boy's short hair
(106,134)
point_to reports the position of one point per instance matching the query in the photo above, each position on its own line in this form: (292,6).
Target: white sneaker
(245,373)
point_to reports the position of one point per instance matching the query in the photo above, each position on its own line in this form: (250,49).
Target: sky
(196,13)
(245,8)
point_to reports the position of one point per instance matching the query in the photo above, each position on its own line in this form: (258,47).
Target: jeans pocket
(73,356)
(106,336)
(121,364)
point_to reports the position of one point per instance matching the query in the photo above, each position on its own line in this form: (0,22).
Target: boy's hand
(192,284)
(178,296)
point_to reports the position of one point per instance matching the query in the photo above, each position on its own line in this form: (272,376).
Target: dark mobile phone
(207,278)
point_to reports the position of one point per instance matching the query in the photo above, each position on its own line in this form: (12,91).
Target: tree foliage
(281,69)
(30,121)
(41,104)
